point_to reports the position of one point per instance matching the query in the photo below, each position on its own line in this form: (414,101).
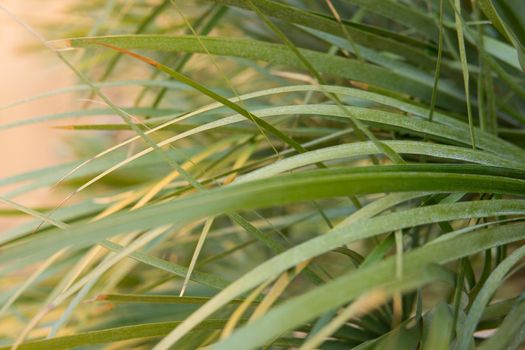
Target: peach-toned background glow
(27,69)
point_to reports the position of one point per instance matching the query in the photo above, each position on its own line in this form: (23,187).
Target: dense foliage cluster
(273,174)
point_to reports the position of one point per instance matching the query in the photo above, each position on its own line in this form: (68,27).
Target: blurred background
(27,69)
